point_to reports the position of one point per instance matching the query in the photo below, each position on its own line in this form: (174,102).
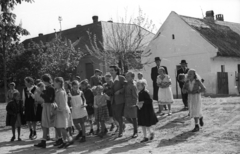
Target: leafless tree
(123,42)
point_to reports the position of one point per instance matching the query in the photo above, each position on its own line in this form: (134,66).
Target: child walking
(62,118)
(146,114)
(108,90)
(15,115)
(100,104)
(131,99)
(68,88)
(79,112)
(165,96)
(194,87)
(88,94)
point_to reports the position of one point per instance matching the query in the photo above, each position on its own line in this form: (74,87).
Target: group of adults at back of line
(161,85)
(154,74)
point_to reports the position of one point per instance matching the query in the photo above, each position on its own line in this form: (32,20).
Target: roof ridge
(214,20)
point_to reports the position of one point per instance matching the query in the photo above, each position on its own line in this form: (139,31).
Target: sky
(41,16)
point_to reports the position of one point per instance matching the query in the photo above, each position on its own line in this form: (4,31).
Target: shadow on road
(176,140)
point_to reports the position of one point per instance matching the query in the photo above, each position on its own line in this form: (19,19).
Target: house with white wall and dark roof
(100,30)
(210,46)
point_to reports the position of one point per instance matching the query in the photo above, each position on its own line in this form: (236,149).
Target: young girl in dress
(146,114)
(194,87)
(68,88)
(88,94)
(100,104)
(48,95)
(15,115)
(29,106)
(165,96)
(63,118)
(79,112)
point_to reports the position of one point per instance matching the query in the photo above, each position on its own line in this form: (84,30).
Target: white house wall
(188,44)
(231,66)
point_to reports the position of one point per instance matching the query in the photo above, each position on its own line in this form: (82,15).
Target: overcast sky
(41,16)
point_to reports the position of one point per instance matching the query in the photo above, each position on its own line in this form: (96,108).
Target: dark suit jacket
(154,73)
(181,71)
(94,81)
(119,85)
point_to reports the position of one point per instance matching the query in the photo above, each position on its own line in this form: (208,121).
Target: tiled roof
(223,35)
(78,32)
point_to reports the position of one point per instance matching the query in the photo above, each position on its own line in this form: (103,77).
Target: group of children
(71,104)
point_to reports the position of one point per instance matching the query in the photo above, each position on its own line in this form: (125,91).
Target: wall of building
(187,44)
(231,66)
(97,64)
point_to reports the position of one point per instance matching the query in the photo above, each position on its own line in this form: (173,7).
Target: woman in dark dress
(146,114)
(29,106)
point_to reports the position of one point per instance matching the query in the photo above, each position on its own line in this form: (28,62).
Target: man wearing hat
(96,79)
(183,70)
(154,74)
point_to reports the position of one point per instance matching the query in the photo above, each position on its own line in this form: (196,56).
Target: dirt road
(220,134)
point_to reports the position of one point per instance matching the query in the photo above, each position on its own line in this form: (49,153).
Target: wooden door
(89,70)
(222,78)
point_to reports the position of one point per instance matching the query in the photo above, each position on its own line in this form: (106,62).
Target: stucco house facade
(209,46)
(98,33)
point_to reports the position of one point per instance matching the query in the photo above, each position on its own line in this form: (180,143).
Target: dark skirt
(109,105)
(39,112)
(30,111)
(117,110)
(146,115)
(12,120)
(90,110)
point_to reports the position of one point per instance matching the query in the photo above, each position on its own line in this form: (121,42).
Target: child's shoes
(12,139)
(196,129)
(201,121)
(144,140)
(151,136)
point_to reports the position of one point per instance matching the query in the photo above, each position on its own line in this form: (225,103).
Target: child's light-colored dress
(63,117)
(77,110)
(194,97)
(165,96)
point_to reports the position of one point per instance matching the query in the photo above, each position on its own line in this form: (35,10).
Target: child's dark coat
(12,111)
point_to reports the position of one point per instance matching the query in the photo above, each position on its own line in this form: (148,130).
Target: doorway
(89,69)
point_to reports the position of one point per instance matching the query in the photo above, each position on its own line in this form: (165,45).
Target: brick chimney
(40,34)
(95,19)
(209,15)
(219,17)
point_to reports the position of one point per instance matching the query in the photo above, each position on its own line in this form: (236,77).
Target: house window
(173,37)
(222,68)
(238,68)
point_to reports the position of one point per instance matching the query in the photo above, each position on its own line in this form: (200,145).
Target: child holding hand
(100,105)
(79,112)
(194,87)
(146,114)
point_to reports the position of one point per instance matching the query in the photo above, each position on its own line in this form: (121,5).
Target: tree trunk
(4,71)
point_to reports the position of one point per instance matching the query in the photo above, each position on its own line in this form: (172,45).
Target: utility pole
(60,20)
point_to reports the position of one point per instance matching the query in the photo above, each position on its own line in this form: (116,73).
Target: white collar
(29,89)
(116,78)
